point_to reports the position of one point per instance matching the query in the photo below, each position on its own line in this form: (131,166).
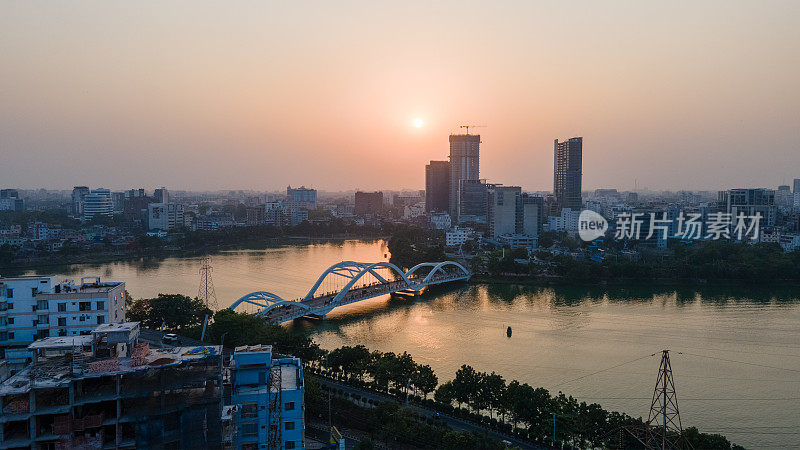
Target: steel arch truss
(440,272)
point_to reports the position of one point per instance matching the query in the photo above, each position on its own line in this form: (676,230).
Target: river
(735,351)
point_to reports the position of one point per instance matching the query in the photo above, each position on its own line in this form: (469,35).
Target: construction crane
(471,126)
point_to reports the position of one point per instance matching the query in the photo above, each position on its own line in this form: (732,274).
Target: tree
(175,311)
(491,391)
(350,360)
(424,379)
(445,393)
(465,385)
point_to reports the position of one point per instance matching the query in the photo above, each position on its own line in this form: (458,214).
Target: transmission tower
(664,430)
(206,291)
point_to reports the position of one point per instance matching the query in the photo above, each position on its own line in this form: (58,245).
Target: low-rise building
(36,307)
(457,236)
(165,216)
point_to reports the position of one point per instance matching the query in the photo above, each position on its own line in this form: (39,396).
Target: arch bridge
(349,282)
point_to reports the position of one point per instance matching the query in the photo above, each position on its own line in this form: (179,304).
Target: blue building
(267,398)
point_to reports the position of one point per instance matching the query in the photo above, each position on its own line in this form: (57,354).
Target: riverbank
(554,281)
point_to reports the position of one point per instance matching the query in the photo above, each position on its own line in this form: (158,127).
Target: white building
(165,216)
(567,221)
(457,236)
(34,307)
(518,241)
(441,221)
(97,203)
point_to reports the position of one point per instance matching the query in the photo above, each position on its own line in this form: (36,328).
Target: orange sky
(258,95)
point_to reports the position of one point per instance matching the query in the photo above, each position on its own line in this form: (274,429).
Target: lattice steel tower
(206,291)
(664,430)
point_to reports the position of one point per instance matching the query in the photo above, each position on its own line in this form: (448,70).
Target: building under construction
(107,390)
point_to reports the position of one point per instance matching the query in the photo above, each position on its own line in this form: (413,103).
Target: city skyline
(125,95)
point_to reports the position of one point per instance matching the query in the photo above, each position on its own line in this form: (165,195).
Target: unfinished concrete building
(107,390)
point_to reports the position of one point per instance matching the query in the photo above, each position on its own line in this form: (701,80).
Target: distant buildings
(441,221)
(38,307)
(567,172)
(165,216)
(457,236)
(513,217)
(97,203)
(79,194)
(368,203)
(472,203)
(301,197)
(437,187)
(161,195)
(464,165)
(267,399)
(10,201)
(749,202)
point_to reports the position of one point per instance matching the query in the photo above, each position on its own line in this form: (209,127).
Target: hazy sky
(236,95)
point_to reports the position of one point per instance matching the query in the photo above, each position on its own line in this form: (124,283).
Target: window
(250,428)
(62,321)
(288,426)
(288,406)
(290,444)
(101,320)
(249,410)
(84,306)
(82,319)
(11,321)
(62,307)
(262,378)
(9,293)
(33,292)
(10,305)
(11,335)
(101,306)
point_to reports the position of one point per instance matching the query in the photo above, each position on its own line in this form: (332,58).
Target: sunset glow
(418,123)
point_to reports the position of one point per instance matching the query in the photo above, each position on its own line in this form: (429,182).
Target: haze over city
(698,95)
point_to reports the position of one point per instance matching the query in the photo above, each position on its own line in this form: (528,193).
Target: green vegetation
(177,312)
(410,246)
(712,260)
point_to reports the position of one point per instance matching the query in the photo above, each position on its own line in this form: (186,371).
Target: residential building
(749,202)
(441,221)
(464,165)
(568,172)
(36,307)
(458,236)
(267,397)
(796,186)
(106,389)
(79,194)
(437,187)
(368,203)
(273,213)
(97,203)
(165,216)
(301,197)
(784,199)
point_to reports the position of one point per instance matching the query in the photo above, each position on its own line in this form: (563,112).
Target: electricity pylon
(664,430)
(206,291)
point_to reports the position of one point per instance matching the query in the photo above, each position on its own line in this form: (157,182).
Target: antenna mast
(206,291)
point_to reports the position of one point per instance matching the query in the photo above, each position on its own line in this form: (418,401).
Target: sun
(418,123)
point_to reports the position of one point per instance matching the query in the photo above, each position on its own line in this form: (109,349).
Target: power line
(206,290)
(602,370)
(740,362)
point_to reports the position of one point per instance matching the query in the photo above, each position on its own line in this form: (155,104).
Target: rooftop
(253,348)
(58,371)
(111,327)
(64,342)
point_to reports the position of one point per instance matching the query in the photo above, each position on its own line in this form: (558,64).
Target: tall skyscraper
(567,173)
(464,160)
(78,195)
(97,203)
(161,195)
(796,186)
(437,187)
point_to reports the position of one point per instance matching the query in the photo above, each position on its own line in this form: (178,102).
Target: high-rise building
(368,203)
(79,193)
(437,187)
(464,165)
(10,201)
(796,186)
(97,203)
(567,172)
(472,201)
(503,209)
(161,195)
